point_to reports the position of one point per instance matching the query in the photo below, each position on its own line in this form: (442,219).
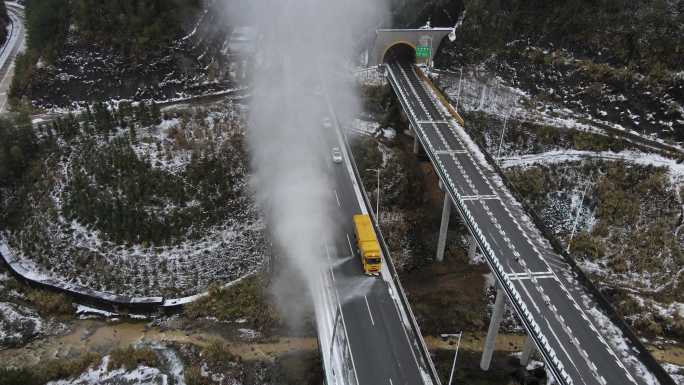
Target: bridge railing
(642,351)
(333,338)
(521,309)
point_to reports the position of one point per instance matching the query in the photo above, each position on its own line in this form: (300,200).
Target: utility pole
(453,366)
(458,95)
(377,205)
(503,132)
(579,211)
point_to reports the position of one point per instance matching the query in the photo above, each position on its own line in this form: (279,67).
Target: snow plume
(300,42)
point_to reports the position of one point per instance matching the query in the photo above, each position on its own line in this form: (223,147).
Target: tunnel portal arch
(402,51)
(388,41)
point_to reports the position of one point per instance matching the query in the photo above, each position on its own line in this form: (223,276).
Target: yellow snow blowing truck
(368,245)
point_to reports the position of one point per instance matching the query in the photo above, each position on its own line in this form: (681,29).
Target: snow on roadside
(365,127)
(607,329)
(561,156)
(676,372)
(617,342)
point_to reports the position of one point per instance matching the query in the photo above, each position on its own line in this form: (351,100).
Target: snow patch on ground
(676,372)
(617,342)
(365,127)
(142,375)
(474,93)
(18,324)
(553,157)
(223,252)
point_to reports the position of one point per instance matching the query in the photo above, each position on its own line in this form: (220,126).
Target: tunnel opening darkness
(400,52)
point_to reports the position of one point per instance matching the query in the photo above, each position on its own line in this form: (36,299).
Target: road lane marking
(450,152)
(391,381)
(350,245)
(338,199)
(479,197)
(552,273)
(369,310)
(562,346)
(432,122)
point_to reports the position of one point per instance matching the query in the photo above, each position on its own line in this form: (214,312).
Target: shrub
(51,304)
(193,376)
(583,244)
(217,354)
(63,368)
(247,299)
(130,358)
(19,376)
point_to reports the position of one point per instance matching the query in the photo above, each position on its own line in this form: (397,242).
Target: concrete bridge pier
(527,351)
(472,247)
(416,144)
(444,227)
(490,341)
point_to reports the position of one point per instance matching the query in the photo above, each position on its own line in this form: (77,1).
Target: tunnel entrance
(400,52)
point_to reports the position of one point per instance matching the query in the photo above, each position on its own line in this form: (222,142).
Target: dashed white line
(369,310)
(350,245)
(338,199)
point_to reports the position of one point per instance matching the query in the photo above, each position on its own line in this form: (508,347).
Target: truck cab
(368,245)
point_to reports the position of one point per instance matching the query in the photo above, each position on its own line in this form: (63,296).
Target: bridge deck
(571,344)
(383,348)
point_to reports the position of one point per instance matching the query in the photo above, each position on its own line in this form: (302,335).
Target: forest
(131,26)
(4,21)
(647,35)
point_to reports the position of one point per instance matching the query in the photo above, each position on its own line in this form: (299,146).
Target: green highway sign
(423,52)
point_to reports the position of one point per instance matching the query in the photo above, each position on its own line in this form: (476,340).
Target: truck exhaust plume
(299,42)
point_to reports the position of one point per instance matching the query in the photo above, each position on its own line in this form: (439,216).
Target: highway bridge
(525,267)
(372,336)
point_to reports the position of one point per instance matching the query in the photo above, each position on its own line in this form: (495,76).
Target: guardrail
(120,304)
(524,314)
(423,350)
(642,352)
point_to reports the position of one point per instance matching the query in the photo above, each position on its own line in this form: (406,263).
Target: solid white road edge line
(350,246)
(369,310)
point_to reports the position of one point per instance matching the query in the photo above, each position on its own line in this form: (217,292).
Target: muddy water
(103,337)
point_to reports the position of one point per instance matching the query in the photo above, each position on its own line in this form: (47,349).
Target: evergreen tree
(142,114)
(103,118)
(155,113)
(132,134)
(89,114)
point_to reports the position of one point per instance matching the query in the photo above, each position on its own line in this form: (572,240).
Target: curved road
(16,43)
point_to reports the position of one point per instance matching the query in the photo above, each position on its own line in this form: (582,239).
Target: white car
(327,123)
(336,155)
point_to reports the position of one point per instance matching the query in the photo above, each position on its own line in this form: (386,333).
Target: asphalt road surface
(380,345)
(574,338)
